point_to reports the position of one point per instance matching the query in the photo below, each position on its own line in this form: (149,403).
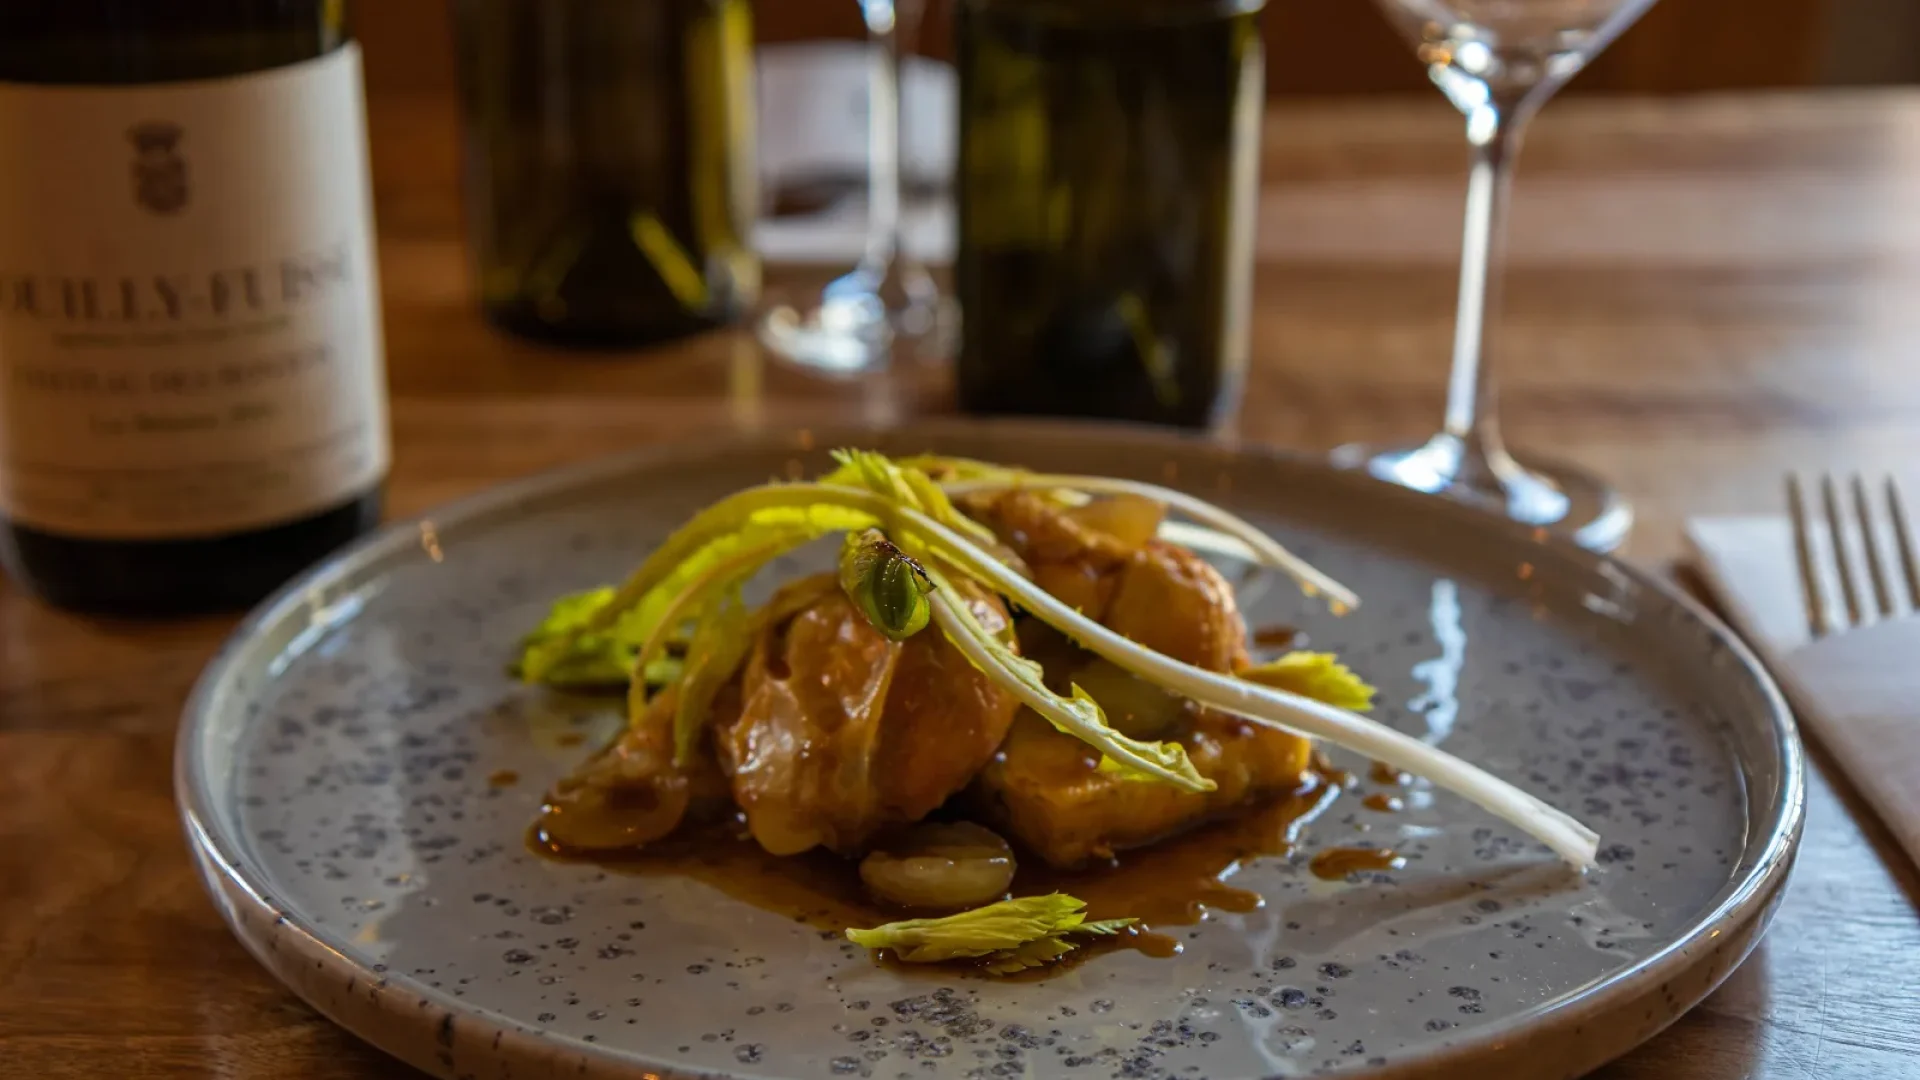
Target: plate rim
(227,870)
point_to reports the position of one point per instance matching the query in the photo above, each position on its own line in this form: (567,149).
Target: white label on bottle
(189,332)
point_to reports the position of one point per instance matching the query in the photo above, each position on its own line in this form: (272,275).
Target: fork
(1854,685)
(1866,597)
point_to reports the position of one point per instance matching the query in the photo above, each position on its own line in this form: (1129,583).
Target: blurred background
(812,89)
(1344,47)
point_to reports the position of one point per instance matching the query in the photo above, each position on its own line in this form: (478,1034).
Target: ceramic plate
(343,769)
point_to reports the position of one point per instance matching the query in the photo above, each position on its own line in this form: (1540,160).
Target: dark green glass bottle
(192,392)
(610,165)
(1108,160)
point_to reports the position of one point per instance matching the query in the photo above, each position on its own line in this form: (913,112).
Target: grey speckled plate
(334,769)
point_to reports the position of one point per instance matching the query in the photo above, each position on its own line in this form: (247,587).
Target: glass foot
(854,328)
(1553,495)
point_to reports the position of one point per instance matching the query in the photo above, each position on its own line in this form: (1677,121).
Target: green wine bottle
(610,165)
(1108,160)
(192,393)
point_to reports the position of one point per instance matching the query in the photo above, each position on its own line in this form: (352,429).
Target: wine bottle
(1108,163)
(192,389)
(610,165)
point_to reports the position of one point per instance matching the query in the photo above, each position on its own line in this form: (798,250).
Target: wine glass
(887,300)
(1498,61)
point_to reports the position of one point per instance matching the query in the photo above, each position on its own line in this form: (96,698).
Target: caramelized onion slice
(955,865)
(1131,519)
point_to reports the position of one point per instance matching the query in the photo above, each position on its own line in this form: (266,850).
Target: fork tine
(1837,543)
(1818,624)
(1870,541)
(1903,541)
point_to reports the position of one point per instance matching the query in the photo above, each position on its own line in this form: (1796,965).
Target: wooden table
(1705,293)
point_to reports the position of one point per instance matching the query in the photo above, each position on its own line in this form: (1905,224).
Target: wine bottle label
(189,330)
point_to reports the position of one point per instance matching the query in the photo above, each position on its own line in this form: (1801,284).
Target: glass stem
(1493,131)
(891,28)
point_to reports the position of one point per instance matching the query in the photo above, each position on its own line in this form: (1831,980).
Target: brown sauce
(570,738)
(504,778)
(1335,864)
(819,889)
(1338,777)
(1279,636)
(1384,803)
(1173,883)
(1383,773)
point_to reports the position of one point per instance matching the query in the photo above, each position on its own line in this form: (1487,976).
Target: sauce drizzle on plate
(1336,864)
(1173,883)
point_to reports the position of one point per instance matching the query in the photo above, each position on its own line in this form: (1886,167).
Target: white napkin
(1857,693)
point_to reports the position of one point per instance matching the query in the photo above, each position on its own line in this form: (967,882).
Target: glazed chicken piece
(826,735)
(839,732)
(1045,787)
(1073,560)
(1102,559)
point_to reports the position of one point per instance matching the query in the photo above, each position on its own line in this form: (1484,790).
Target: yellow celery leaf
(1007,924)
(1031,955)
(714,536)
(720,642)
(910,487)
(1011,935)
(1317,675)
(594,658)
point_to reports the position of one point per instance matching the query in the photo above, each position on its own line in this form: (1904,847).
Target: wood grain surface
(1704,294)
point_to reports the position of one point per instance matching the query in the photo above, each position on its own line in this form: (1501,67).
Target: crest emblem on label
(159,172)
